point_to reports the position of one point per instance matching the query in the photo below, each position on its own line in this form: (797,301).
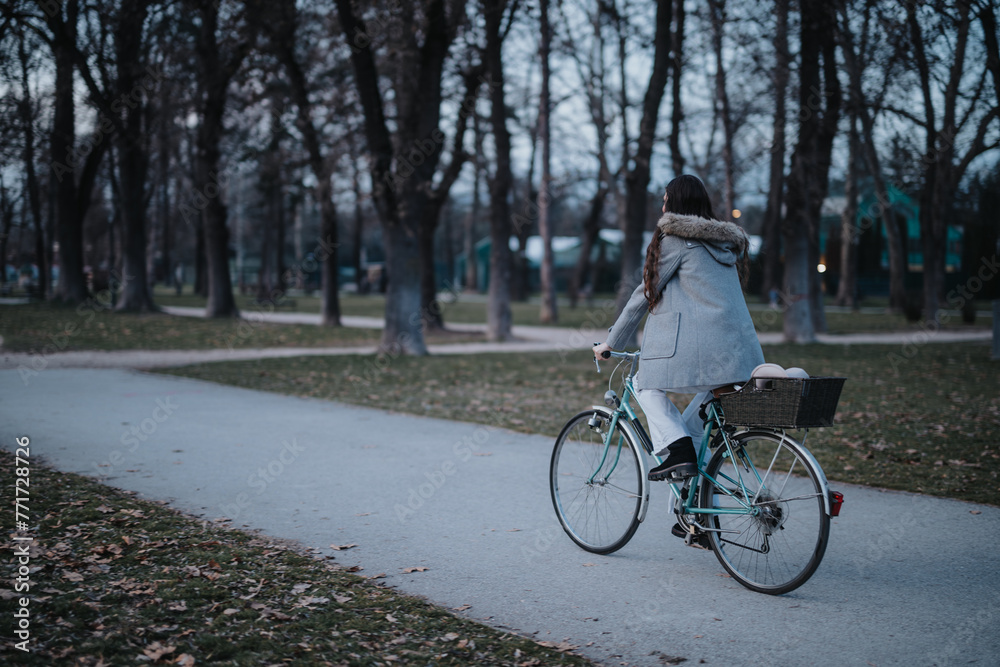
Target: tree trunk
(133,161)
(6,223)
(677,110)
(896,241)
(847,289)
(34,199)
(401,196)
(214,77)
(72,282)
(717,10)
(549,313)
(807,182)
(828,125)
(941,175)
(498,315)
(357,231)
(330,299)
(429,306)
(637,180)
(319,164)
(591,232)
(771,251)
(471,261)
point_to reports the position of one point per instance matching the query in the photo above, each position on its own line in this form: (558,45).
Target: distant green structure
(873,249)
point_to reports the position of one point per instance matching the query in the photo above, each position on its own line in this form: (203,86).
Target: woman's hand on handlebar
(602,351)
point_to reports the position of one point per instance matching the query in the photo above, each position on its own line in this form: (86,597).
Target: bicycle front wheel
(778,542)
(596,484)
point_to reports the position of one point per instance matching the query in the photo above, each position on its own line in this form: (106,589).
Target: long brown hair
(686,195)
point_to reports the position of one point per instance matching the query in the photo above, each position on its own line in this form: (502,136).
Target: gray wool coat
(700,335)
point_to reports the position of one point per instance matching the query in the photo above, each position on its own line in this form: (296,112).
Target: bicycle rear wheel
(596,489)
(778,547)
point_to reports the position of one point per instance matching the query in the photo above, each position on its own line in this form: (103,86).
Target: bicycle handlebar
(607,354)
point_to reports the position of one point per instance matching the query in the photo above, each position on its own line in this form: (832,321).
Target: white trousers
(666,423)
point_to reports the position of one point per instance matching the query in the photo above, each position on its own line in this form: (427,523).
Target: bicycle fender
(643,464)
(808,456)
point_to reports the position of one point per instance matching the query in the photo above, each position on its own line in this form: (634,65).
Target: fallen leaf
(307,601)
(178,606)
(72,576)
(561,646)
(463,607)
(418,568)
(300,588)
(156,650)
(975,512)
(451,636)
(231,611)
(342,547)
(390,618)
(380,575)
(185,660)
(590,564)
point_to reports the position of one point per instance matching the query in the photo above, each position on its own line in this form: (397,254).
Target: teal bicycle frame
(714,418)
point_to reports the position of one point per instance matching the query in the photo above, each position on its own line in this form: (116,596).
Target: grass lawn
(599,314)
(922,419)
(119,581)
(51,327)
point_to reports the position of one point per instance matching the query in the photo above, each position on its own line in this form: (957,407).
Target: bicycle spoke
(596,488)
(779,541)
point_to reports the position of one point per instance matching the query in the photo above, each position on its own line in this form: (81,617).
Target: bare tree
(856,60)
(549,310)
(849,232)
(28,116)
(637,178)
(281,23)
(438,196)
(220,52)
(771,251)
(471,261)
(807,179)
(57,24)
(945,162)
(401,185)
(717,14)
(592,74)
(676,69)
(498,315)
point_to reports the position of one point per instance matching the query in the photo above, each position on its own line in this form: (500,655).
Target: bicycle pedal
(698,541)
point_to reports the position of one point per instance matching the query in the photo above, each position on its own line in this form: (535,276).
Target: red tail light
(836,500)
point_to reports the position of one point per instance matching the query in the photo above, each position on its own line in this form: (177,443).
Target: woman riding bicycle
(699,335)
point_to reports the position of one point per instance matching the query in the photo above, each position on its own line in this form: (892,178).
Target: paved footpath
(907,579)
(526,339)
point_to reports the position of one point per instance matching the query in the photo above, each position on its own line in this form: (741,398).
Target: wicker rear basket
(784,403)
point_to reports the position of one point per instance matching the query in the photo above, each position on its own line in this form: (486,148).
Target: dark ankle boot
(681,462)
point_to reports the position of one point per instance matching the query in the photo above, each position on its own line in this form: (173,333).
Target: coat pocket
(660,338)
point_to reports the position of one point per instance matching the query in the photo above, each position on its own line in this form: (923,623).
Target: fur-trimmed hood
(725,241)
